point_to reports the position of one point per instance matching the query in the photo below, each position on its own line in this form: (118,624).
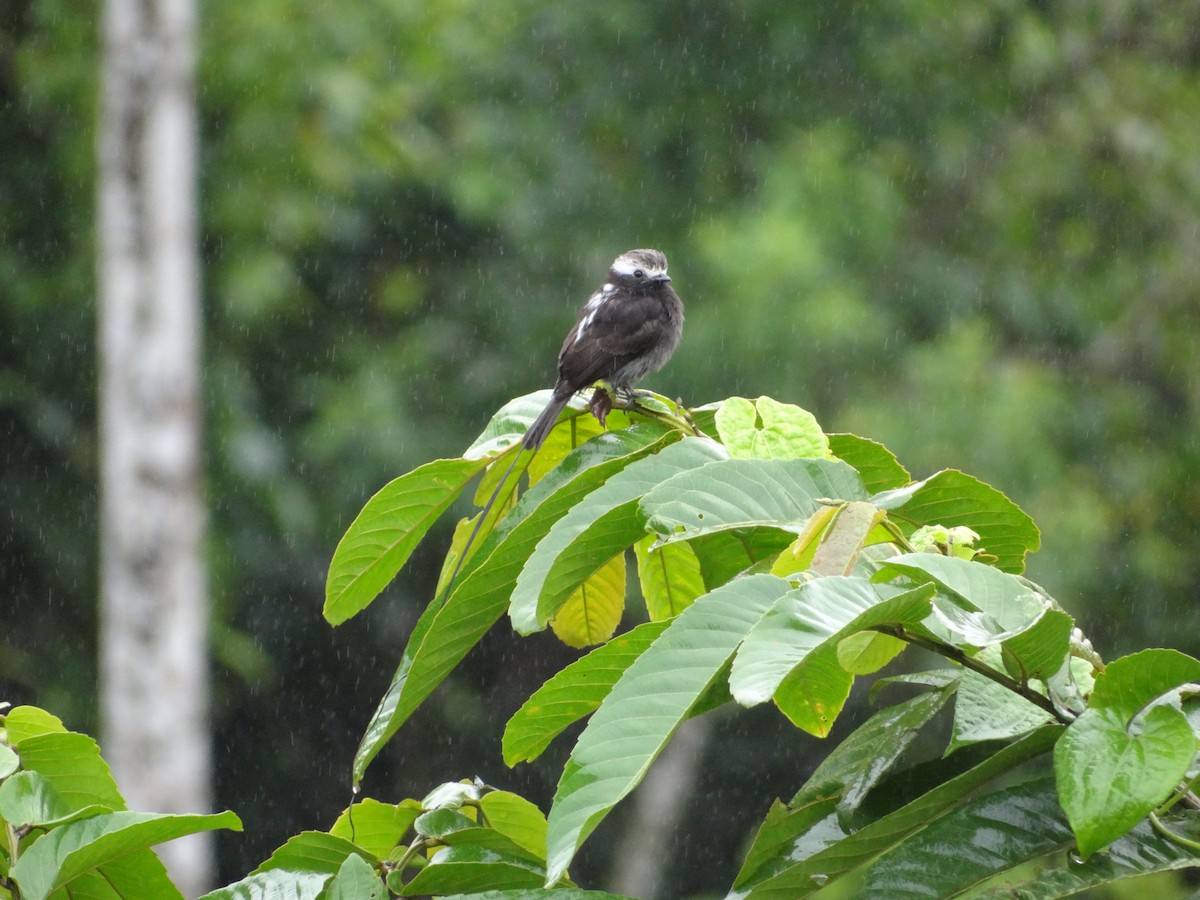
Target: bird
(627,329)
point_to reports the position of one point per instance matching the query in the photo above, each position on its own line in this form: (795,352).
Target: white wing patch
(590,309)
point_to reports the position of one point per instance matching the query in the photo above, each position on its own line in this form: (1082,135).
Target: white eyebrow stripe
(624,265)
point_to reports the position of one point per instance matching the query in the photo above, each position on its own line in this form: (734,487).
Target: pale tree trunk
(643,856)
(153,662)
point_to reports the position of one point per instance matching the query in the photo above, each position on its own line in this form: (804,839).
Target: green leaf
(878,466)
(310,851)
(23,722)
(576,691)
(1141,852)
(439,823)
(539,893)
(862,760)
(356,880)
(9,761)
(790,876)
(139,874)
(952,498)
(1109,779)
(472,867)
(1128,684)
(767,429)
(61,856)
(791,654)
(646,705)
(71,764)
(517,819)
(596,529)
(987,711)
(1016,613)
(669,575)
(777,835)
(1007,828)
(445,634)
(510,423)
(747,493)
(591,614)
(376,827)
(387,530)
(28,799)
(840,544)
(724,555)
(275,884)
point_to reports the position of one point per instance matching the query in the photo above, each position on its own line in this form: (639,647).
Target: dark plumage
(627,329)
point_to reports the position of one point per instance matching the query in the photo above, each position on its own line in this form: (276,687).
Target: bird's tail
(545,421)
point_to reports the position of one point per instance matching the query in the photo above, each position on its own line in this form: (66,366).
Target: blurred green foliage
(971,231)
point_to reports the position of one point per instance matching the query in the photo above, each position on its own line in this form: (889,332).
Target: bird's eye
(638,273)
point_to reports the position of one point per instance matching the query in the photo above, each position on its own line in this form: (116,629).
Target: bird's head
(640,270)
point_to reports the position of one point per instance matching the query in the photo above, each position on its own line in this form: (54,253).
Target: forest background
(968,231)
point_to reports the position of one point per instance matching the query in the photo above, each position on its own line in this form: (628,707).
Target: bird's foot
(602,404)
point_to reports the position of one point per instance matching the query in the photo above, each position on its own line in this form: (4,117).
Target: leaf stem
(1172,836)
(954,654)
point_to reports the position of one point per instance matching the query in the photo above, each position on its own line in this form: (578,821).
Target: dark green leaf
(878,466)
(645,707)
(953,498)
(1109,779)
(574,692)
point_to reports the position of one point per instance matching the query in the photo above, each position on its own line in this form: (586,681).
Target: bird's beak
(664,278)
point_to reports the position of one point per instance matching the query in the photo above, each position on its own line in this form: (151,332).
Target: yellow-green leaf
(592,613)
(669,575)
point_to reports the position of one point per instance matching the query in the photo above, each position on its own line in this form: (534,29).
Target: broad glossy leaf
(646,705)
(801,634)
(511,421)
(862,760)
(724,555)
(799,553)
(23,722)
(445,633)
(71,764)
(472,867)
(953,498)
(790,878)
(376,827)
(987,711)
(9,761)
(1128,684)
(274,884)
(539,893)
(517,819)
(28,799)
(1109,780)
(999,608)
(983,838)
(767,429)
(1141,852)
(136,875)
(310,851)
(64,854)
(736,494)
(777,836)
(591,614)
(574,692)
(596,529)
(669,575)
(878,466)
(356,880)
(387,530)
(837,552)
